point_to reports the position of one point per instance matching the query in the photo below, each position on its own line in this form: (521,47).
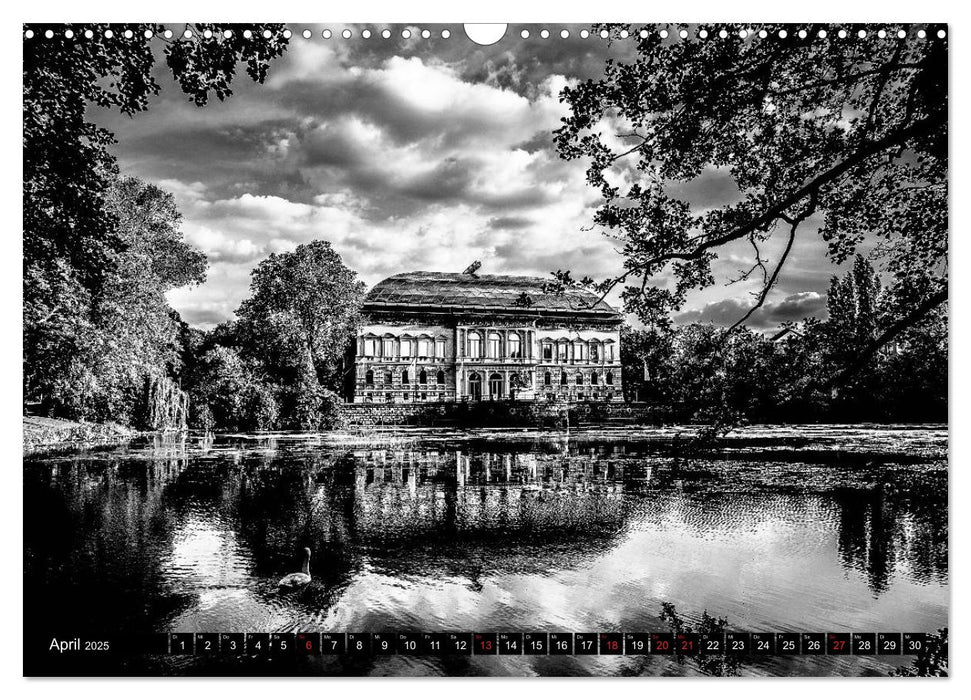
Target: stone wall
(499,413)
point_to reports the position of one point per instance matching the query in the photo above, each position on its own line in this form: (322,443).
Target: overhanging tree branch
(778,209)
(771,283)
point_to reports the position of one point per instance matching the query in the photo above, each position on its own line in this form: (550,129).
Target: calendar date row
(537,643)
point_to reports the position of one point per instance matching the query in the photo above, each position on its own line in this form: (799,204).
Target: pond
(802,528)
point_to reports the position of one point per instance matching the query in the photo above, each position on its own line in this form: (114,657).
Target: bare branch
(771,283)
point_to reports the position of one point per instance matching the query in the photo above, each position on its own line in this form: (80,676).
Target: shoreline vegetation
(49,434)
(43,435)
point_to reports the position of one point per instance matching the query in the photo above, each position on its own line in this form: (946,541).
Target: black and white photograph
(486,350)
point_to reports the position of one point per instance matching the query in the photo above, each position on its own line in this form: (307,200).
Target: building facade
(432,336)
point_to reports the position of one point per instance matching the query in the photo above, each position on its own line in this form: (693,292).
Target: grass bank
(42,434)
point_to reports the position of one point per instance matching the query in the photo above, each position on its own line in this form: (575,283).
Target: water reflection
(470,533)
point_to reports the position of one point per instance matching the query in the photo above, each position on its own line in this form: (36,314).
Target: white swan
(301,577)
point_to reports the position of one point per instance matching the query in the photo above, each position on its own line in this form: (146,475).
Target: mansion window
(370,347)
(369,378)
(609,379)
(440,349)
(547,379)
(423,377)
(424,347)
(579,352)
(515,348)
(609,352)
(388,349)
(440,378)
(593,377)
(579,379)
(594,352)
(404,376)
(548,351)
(495,343)
(562,352)
(406,348)
(563,380)
(475,345)
(389,378)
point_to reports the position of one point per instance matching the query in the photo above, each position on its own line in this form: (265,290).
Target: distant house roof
(787,332)
(452,291)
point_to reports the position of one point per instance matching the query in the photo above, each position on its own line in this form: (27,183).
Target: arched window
(547,379)
(475,386)
(404,376)
(579,378)
(495,386)
(369,378)
(515,345)
(563,380)
(593,377)
(495,345)
(423,377)
(389,378)
(475,345)
(440,378)
(609,378)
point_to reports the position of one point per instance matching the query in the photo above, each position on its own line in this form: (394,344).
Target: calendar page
(485,350)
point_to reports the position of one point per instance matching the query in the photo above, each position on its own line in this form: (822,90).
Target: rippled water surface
(815,528)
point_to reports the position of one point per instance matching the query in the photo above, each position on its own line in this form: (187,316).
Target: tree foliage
(99,252)
(305,303)
(67,166)
(280,364)
(127,332)
(851,130)
(699,374)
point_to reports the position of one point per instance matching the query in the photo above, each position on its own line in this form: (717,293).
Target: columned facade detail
(423,350)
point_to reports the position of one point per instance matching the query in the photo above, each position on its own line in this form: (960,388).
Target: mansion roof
(461,292)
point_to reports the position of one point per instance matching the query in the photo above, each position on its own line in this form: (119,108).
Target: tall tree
(852,129)
(305,304)
(72,242)
(127,332)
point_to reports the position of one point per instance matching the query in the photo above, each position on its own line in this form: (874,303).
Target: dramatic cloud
(405,154)
(725,312)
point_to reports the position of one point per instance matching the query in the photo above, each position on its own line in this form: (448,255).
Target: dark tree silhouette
(72,244)
(849,129)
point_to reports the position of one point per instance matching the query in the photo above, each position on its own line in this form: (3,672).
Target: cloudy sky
(408,154)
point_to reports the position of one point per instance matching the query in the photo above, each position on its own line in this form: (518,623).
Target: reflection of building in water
(408,492)
(435,336)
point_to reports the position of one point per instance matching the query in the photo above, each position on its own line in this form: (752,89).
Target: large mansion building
(439,336)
